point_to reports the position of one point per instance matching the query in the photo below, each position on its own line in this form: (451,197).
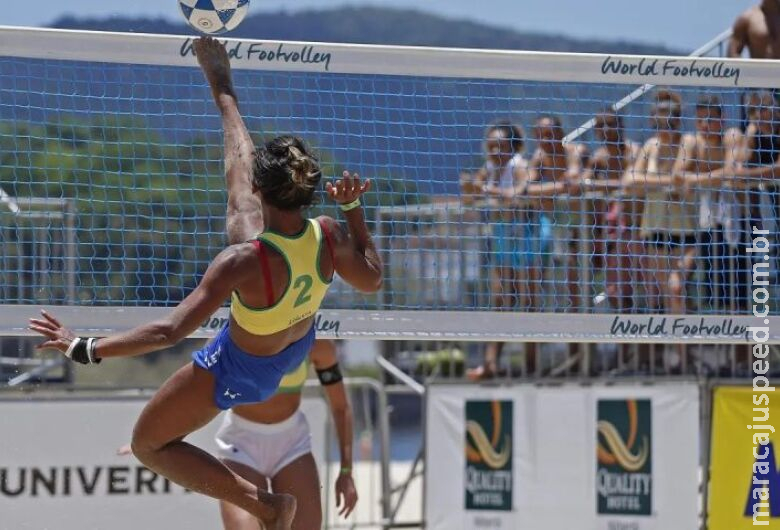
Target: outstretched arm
(244,208)
(218,282)
(355,256)
(761,172)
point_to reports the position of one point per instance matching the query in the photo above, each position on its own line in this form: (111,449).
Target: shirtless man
(561,166)
(758,29)
(615,217)
(714,149)
(716,174)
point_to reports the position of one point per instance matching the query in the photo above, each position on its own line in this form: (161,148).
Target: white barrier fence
(59,469)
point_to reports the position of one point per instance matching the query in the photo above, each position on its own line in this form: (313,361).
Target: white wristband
(73,344)
(91,349)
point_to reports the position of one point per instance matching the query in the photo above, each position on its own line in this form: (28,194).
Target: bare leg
(532,303)
(657,268)
(620,291)
(501,292)
(301,480)
(618,276)
(182,405)
(679,265)
(675,296)
(647,267)
(233,517)
(573,284)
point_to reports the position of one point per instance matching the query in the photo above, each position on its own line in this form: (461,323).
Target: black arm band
(82,350)
(330,376)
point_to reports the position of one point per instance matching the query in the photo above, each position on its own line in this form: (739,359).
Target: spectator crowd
(679,203)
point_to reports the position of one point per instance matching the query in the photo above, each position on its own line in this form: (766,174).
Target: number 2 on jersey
(303,283)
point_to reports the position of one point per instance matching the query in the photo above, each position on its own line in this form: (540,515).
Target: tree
(149,213)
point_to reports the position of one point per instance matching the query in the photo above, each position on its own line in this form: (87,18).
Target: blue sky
(695,21)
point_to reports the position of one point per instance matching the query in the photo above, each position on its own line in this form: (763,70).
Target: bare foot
(214,62)
(480,373)
(283,506)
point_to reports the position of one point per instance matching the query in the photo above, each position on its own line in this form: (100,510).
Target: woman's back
(275,306)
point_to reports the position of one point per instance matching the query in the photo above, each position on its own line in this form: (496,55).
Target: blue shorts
(242,378)
(519,245)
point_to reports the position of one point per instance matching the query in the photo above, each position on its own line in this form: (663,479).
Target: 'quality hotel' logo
(624,462)
(489,455)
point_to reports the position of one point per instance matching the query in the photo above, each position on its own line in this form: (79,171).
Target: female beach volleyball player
(276,289)
(269,443)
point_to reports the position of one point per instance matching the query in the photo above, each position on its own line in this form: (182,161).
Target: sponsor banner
(472,441)
(489,455)
(590,458)
(744,489)
(59,468)
(624,474)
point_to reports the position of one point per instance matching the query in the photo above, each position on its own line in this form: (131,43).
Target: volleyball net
(112,196)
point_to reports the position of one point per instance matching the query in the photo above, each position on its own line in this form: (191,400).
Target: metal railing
(444,255)
(371,413)
(442,251)
(378,508)
(38,254)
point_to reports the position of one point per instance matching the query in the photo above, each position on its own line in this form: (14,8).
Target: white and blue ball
(214,16)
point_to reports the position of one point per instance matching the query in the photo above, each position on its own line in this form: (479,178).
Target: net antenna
(38,243)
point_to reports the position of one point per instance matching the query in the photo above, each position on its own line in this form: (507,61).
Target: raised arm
(326,364)
(226,271)
(356,259)
(244,207)
(739,36)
